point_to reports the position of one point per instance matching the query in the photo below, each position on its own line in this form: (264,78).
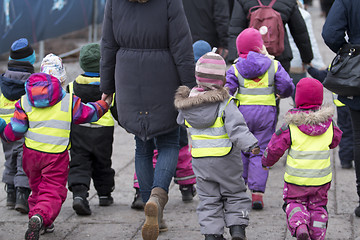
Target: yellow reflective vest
(259,92)
(106,120)
(49,127)
(7,108)
(308,161)
(337,101)
(212,141)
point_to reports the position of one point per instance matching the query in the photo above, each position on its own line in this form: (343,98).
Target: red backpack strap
(271,3)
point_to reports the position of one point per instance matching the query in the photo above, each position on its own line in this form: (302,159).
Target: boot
(188,192)
(80,203)
(357,211)
(302,232)
(106,200)
(22,195)
(154,214)
(138,202)
(34,227)
(11,195)
(237,232)
(214,237)
(257,202)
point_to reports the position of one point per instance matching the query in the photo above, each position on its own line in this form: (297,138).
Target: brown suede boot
(154,214)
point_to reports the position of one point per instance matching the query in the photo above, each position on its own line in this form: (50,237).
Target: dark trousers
(346,151)
(355,117)
(91,150)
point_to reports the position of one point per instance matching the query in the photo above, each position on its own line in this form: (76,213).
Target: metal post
(41,50)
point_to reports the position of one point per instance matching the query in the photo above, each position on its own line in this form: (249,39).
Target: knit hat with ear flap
(309,93)
(210,70)
(248,40)
(52,64)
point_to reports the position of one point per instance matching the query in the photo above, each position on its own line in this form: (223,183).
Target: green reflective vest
(259,92)
(106,120)
(7,108)
(308,161)
(212,141)
(49,127)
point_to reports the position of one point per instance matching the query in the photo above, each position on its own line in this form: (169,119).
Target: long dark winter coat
(146,54)
(290,15)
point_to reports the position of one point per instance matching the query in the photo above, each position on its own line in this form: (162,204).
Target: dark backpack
(269,23)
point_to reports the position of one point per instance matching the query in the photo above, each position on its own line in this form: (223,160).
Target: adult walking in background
(290,15)
(146,54)
(209,21)
(344,19)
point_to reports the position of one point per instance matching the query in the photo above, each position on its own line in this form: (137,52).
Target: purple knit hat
(210,70)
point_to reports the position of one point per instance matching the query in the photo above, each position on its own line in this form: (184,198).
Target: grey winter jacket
(201,111)
(146,54)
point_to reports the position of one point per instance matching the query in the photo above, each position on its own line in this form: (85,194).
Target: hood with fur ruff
(200,111)
(311,122)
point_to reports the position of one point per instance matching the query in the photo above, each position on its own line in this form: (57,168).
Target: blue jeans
(168,152)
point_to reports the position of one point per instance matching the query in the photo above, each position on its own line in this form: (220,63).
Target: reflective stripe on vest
(106,120)
(49,127)
(337,102)
(260,92)
(7,108)
(212,141)
(308,161)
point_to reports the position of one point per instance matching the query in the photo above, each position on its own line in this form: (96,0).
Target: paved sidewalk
(119,221)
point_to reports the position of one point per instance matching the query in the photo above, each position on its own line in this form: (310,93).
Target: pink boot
(302,232)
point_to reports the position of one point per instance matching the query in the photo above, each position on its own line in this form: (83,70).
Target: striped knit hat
(210,70)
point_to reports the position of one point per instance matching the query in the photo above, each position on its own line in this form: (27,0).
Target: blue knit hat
(21,50)
(200,47)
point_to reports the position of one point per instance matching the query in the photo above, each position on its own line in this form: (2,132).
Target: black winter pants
(355,117)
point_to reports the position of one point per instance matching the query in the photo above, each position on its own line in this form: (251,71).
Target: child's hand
(255,150)
(265,168)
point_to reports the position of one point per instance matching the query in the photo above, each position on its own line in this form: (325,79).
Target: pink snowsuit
(304,204)
(47,172)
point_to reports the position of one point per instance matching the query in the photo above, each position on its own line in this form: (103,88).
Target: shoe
(357,211)
(346,165)
(188,192)
(106,200)
(22,195)
(34,227)
(237,232)
(214,237)
(81,206)
(302,232)
(257,202)
(11,195)
(138,202)
(48,229)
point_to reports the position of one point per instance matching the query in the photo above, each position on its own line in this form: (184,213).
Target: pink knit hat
(248,40)
(309,93)
(210,70)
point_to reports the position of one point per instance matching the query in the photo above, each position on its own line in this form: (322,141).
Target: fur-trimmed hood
(200,111)
(311,122)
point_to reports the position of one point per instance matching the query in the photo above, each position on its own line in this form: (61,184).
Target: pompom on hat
(210,70)
(200,47)
(21,50)
(53,66)
(89,58)
(309,93)
(248,40)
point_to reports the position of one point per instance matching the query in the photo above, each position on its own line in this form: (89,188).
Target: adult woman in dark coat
(344,16)
(290,15)
(146,54)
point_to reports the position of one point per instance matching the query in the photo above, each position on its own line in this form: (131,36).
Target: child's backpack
(270,25)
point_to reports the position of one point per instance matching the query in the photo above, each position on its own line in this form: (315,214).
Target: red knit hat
(309,93)
(248,40)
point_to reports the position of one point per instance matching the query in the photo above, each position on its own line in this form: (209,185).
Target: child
(44,116)
(309,133)
(20,67)
(91,143)
(184,175)
(52,65)
(256,78)
(218,132)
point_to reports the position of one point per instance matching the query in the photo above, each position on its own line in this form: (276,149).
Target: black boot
(106,200)
(214,237)
(22,195)
(80,203)
(357,211)
(11,195)
(237,232)
(138,202)
(188,192)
